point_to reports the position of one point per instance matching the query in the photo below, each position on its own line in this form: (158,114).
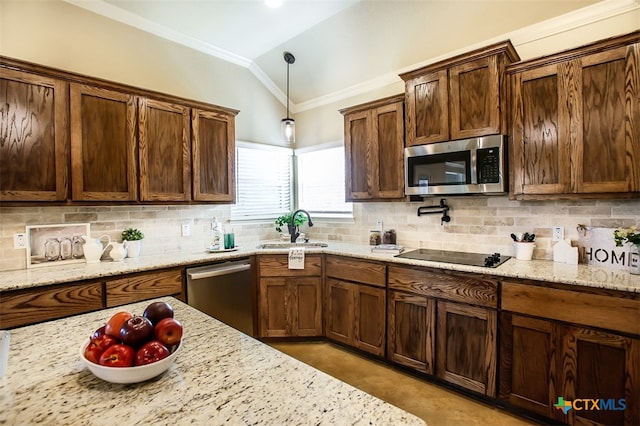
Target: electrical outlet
(19,241)
(379,224)
(186,230)
(557,233)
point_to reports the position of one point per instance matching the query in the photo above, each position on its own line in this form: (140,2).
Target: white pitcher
(118,251)
(93,248)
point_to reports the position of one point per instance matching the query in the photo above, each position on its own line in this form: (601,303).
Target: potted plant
(631,236)
(282,223)
(131,238)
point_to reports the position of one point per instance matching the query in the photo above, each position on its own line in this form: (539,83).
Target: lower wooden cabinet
(144,286)
(466,346)
(29,306)
(568,356)
(290,300)
(355,315)
(355,303)
(411,320)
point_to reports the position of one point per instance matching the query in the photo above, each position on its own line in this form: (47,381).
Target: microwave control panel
(488,163)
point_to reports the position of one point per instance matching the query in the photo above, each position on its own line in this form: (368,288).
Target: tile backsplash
(481,224)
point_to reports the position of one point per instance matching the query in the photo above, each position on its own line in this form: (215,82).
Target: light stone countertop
(220,376)
(542,270)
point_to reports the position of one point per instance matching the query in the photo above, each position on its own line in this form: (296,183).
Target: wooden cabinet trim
(573,307)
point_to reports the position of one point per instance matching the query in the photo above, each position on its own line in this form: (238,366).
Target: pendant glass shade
(289,130)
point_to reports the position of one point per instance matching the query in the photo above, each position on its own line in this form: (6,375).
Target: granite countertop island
(541,270)
(220,376)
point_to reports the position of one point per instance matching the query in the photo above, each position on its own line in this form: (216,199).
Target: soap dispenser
(217,234)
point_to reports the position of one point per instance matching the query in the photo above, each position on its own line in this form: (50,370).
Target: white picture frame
(37,236)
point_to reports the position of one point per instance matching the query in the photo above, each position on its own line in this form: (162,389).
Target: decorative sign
(55,244)
(597,247)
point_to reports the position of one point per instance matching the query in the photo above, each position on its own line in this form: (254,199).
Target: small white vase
(634,259)
(133,248)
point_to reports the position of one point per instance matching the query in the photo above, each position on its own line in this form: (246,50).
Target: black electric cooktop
(473,259)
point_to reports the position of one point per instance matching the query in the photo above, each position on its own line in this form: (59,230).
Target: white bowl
(128,374)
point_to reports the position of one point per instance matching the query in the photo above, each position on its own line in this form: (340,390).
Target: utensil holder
(524,250)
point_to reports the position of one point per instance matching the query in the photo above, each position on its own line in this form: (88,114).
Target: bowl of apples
(134,348)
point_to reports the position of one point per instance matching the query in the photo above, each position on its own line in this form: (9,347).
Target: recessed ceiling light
(273,3)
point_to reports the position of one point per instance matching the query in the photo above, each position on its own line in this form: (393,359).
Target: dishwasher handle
(216,271)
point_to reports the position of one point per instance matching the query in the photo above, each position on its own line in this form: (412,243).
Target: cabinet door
(411,330)
(103,145)
(213,156)
(306,306)
(34,140)
(604,366)
(528,349)
(357,133)
(474,98)
(340,312)
(388,168)
(427,118)
(164,132)
(541,137)
(369,320)
(607,151)
(467,347)
(274,317)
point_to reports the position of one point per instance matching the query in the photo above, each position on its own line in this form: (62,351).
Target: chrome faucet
(293,229)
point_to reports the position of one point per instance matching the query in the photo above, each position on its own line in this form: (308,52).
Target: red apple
(115,323)
(168,331)
(136,331)
(157,311)
(97,346)
(117,356)
(99,332)
(151,352)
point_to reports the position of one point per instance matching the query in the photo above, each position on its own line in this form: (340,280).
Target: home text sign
(597,247)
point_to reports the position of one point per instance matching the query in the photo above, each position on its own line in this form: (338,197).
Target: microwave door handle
(474,166)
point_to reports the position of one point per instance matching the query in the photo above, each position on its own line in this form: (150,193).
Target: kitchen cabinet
(584,344)
(452,313)
(144,286)
(34,136)
(213,156)
(103,144)
(289,300)
(29,306)
(466,346)
(355,303)
(574,123)
(461,97)
(164,137)
(374,150)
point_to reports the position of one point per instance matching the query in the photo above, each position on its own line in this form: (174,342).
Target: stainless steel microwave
(466,166)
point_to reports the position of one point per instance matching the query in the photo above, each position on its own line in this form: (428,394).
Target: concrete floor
(434,404)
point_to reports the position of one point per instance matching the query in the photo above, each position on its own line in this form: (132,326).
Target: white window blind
(321,183)
(263,181)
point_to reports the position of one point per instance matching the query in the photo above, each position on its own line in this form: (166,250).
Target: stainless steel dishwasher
(224,291)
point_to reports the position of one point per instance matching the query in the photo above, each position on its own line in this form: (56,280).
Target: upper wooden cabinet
(111,141)
(34,137)
(103,145)
(213,156)
(576,123)
(458,98)
(164,132)
(374,150)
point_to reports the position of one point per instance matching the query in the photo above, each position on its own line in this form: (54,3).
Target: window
(321,183)
(263,181)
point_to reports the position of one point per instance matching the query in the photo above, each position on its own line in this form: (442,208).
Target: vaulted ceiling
(341,46)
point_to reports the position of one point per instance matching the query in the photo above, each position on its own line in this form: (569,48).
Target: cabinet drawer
(143,287)
(361,271)
(603,311)
(22,307)
(460,287)
(277,265)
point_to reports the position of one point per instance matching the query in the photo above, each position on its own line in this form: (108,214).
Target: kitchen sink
(285,245)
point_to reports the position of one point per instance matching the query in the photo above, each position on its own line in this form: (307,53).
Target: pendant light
(289,124)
